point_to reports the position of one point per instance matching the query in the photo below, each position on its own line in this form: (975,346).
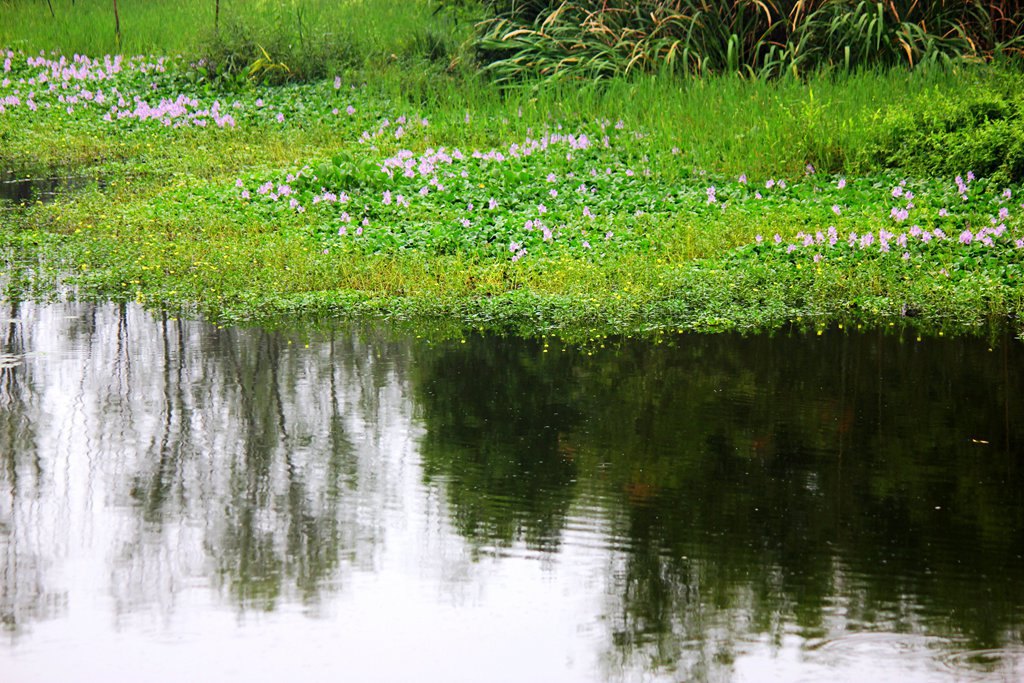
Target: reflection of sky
(138,601)
(126,550)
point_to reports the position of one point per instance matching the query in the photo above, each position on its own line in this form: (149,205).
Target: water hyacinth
(407,182)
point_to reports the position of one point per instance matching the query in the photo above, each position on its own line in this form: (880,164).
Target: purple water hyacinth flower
(546,234)
(939,234)
(514,246)
(280,117)
(528,225)
(608,235)
(902,240)
(808,241)
(743,178)
(782,184)
(757,195)
(790,248)
(836,210)
(758,239)
(819,237)
(245,194)
(553,192)
(386,197)
(817,258)
(899,214)
(966,237)
(999,230)
(586,244)
(239,183)
(401,200)
(943,213)
(711,195)
(866,240)
(769,184)
(676,150)
(777,238)
(465,222)
(906,256)
(552,178)
(1004,213)
(1019,243)
(809,169)
(342,231)
(587,213)
(970,176)
(542,209)
(841,183)
(897,191)
(350,110)
(492,203)
(335,111)
(926,237)
(987,241)
(337,82)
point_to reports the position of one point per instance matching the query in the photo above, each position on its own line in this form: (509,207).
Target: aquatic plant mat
(639,205)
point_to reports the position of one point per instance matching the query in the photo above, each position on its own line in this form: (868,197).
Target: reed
(584,39)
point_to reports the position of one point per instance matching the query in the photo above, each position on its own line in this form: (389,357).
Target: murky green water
(179,502)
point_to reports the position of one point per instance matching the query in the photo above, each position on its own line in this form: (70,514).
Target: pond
(180,501)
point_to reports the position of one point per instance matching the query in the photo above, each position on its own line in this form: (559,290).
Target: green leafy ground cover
(407,192)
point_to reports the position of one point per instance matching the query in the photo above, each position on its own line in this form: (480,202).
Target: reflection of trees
(206,452)
(24,596)
(754,484)
(777,479)
(497,413)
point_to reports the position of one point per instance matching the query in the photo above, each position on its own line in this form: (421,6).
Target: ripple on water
(922,657)
(10,360)
(1007,661)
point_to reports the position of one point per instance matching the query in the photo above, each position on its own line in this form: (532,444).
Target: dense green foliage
(405,188)
(584,39)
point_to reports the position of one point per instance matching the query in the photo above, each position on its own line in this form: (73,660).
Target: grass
(344,196)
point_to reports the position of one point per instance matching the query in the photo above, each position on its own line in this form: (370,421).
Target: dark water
(22,188)
(180,502)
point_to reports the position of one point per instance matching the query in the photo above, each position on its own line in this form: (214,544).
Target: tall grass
(844,123)
(304,38)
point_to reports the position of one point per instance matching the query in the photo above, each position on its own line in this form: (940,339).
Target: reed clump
(584,39)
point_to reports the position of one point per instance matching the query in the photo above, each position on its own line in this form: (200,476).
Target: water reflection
(713,508)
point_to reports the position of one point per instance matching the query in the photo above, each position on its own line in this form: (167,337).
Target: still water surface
(181,502)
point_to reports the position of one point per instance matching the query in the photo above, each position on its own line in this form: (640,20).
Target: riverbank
(637,205)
